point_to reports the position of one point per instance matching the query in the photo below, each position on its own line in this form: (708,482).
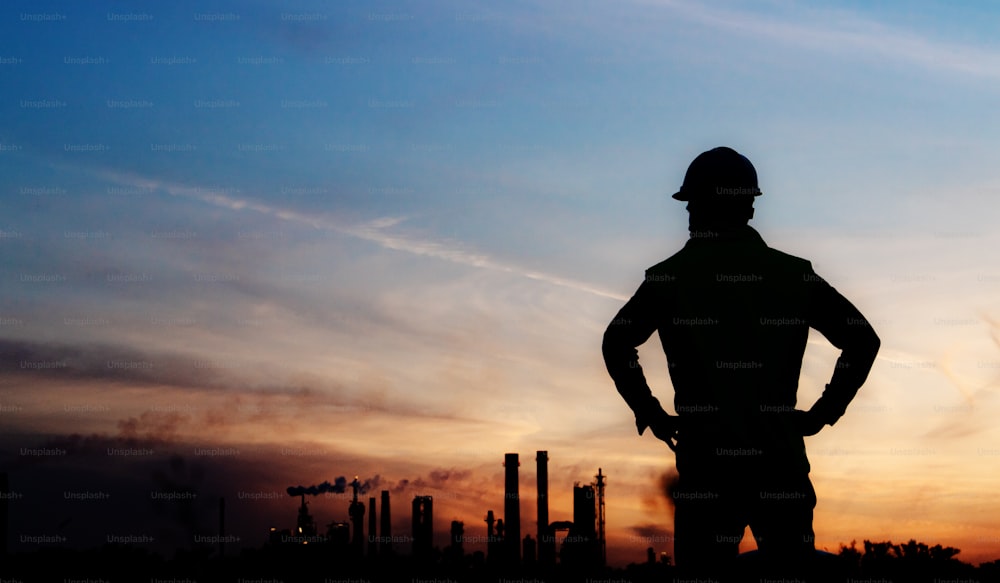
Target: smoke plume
(668,485)
(339,486)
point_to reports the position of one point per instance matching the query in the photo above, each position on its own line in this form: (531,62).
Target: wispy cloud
(841,31)
(375,231)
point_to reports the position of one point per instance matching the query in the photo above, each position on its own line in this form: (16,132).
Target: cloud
(106,363)
(375,231)
(840,32)
(262,396)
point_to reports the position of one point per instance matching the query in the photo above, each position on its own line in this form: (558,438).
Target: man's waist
(745,411)
(712,423)
(697,409)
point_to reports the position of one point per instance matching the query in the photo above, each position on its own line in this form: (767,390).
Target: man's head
(719,187)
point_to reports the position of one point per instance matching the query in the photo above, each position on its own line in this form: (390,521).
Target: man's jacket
(733,317)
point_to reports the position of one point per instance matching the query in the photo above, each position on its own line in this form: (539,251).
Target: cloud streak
(260,399)
(840,32)
(375,231)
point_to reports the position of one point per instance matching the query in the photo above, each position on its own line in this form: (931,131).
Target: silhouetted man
(733,316)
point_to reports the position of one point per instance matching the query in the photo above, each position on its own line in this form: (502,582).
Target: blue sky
(428,212)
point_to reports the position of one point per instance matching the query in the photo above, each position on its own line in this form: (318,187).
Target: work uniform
(733,317)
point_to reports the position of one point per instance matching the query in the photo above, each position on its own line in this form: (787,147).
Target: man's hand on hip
(806,423)
(664,427)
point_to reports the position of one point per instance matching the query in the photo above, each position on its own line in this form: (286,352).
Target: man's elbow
(869,345)
(874,342)
(610,345)
(618,352)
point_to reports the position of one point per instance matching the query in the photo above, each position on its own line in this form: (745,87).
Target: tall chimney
(489,524)
(546,542)
(512,511)
(372,540)
(491,539)
(385,531)
(423,527)
(457,538)
(357,513)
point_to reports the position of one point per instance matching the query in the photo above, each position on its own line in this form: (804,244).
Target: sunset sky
(281,242)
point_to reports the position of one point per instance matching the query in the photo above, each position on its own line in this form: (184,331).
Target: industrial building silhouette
(582,539)
(302,555)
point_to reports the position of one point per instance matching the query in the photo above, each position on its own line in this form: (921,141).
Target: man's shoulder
(670,263)
(787,259)
(692,257)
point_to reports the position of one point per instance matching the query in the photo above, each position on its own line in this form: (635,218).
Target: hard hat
(720,171)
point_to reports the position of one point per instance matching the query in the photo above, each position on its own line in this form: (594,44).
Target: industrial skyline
(581,541)
(504,545)
(306,553)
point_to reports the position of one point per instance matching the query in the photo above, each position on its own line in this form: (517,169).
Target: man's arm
(843,325)
(633,325)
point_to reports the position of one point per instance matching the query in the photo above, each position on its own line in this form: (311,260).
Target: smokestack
(490,521)
(512,510)
(492,555)
(357,514)
(306,524)
(529,549)
(546,542)
(423,526)
(222,526)
(386,528)
(372,539)
(457,538)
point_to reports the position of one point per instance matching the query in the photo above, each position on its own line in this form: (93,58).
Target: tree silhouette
(911,561)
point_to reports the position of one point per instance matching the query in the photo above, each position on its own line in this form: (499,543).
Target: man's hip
(713,509)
